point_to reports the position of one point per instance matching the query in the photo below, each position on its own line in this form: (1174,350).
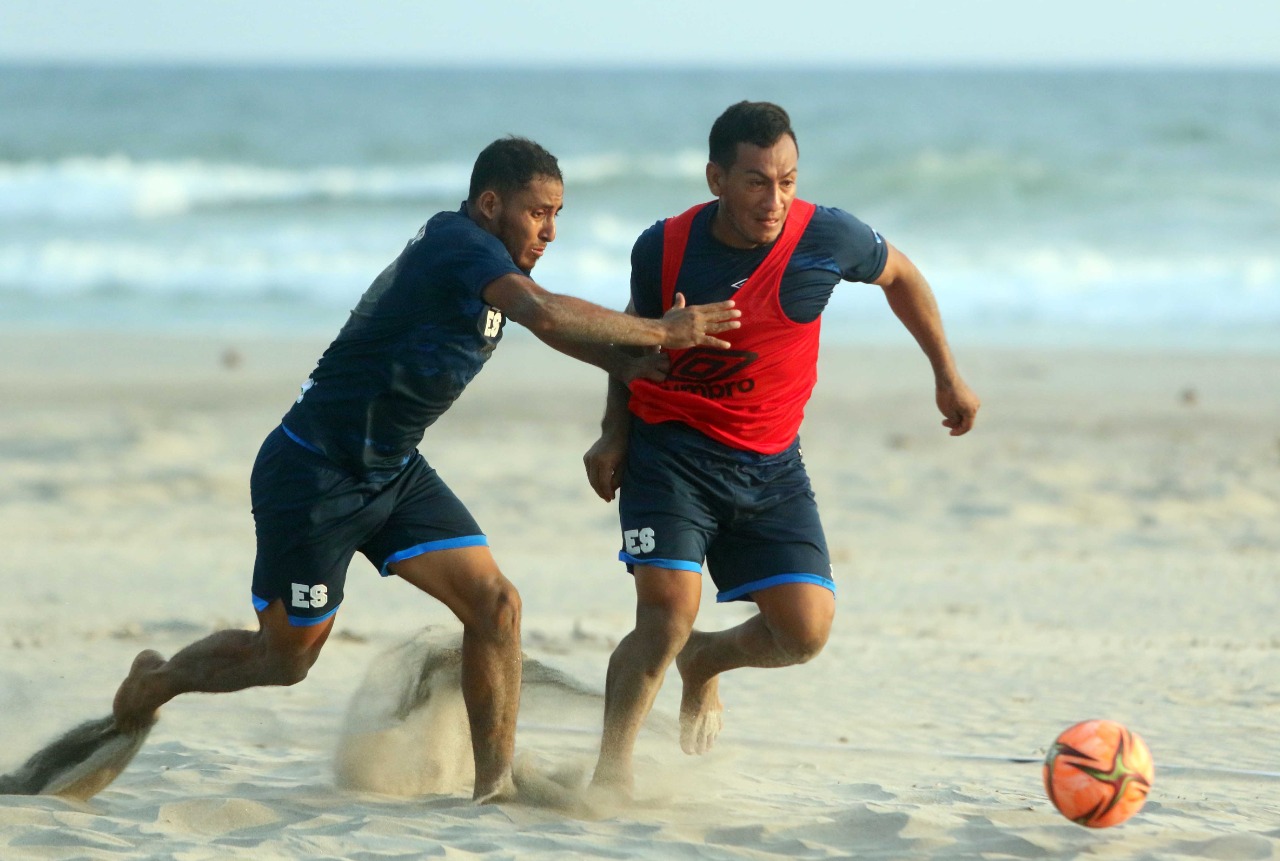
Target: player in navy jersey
(342,472)
(708,460)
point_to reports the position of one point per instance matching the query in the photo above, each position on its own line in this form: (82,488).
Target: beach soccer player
(342,472)
(708,460)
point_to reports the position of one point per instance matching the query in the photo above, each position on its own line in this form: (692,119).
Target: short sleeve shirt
(418,336)
(835,247)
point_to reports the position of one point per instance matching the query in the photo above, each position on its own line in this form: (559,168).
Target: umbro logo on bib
(705,365)
(713,374)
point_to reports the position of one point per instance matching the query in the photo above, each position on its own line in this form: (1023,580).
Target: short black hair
(758,123)
(509,164)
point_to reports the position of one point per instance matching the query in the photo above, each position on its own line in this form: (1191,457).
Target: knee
(284,660)
(291,670)
(664,630)
(500,610)
(506,608)
(801,643)
(296,666)
(288,667)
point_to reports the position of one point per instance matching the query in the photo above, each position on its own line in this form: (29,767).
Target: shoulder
(649,242)
(833,224)
(452,233)
(442,270)
(857,249)
(453,249)
(646,272)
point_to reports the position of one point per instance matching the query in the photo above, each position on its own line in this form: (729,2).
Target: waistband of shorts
(692,439)
(367,476)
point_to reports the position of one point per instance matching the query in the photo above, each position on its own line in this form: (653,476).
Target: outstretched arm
(568,318)
(912,301)
(621,363)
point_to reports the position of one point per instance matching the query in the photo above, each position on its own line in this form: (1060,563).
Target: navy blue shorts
(311,516)
(686,498)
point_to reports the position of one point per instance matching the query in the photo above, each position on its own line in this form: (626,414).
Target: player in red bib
(708,461)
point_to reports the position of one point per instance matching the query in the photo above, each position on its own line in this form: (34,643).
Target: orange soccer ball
(1098,773)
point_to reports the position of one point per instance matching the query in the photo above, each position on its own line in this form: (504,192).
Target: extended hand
(960,405)
(693,326)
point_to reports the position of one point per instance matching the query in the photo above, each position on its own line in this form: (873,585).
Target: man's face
(755,194)
(525,221)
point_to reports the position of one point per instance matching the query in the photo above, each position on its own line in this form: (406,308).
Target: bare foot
(701,711)
(500,790)
(609,795)
(135,703)
(539,786)
(612,780)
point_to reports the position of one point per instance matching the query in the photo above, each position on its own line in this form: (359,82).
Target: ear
(489,204)
(715,178)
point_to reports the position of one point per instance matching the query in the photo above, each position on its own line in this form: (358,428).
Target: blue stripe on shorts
(776,580)
(296,621)
(302,442)
(676,564)
(432,546)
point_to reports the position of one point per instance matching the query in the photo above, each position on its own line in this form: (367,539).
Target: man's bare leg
(666,605)
(791,628)
(468,582)
(276,654)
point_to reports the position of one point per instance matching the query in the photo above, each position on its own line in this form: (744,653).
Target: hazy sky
(663,32)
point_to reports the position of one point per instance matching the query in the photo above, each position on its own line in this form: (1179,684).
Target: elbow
(541,323)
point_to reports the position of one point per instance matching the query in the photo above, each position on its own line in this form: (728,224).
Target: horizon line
(624,65)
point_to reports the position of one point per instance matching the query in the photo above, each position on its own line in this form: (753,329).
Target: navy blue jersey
(835,247)
(419,335)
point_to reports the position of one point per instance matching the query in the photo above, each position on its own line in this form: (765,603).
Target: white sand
(1105,544)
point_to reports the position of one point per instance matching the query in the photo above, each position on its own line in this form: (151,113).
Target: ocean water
(1059,207)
